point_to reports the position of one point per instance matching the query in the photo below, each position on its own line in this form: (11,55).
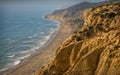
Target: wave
(25,54)
(34,49)
(13,62)
(24,51)
(34,35)
(52,29)
(30,41)
(16,62)
(41,32)
(23,57)
(47,37)
(11,56)
(3,69)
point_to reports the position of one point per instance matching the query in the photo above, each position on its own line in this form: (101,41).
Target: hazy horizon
(46,3)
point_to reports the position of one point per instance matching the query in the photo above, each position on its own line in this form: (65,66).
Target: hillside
(93,49)
(73,15)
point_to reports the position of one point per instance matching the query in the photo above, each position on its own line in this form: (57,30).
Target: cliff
(93,49)
(73,16)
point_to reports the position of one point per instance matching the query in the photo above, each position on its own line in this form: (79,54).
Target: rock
(92,50)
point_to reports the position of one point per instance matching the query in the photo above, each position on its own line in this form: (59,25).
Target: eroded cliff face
(93,50)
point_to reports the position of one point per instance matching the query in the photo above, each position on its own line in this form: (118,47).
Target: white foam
(42,33)
(3,69)
(33,35)
(34,49)
(52,29)
(47,37)
(16,62)
(24,57)
(29,41)
(26,45)
(9,65)
(11,56)
(52,32)
(42,43)
(24,51)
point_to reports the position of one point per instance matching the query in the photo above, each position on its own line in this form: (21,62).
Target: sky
(44,3)
(52,5)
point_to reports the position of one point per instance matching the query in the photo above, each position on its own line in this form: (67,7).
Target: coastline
(42,56)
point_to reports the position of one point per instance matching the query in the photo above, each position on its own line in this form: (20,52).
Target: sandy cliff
(92,50)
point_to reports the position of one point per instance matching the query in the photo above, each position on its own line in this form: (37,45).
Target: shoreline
(43,55)
(36,50)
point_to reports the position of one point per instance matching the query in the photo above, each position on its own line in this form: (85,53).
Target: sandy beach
(33,63)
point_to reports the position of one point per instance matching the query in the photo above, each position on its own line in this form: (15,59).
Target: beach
(40,58)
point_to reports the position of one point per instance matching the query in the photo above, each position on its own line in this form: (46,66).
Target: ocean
(23,30)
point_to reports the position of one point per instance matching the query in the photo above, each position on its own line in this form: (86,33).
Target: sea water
(23,30)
